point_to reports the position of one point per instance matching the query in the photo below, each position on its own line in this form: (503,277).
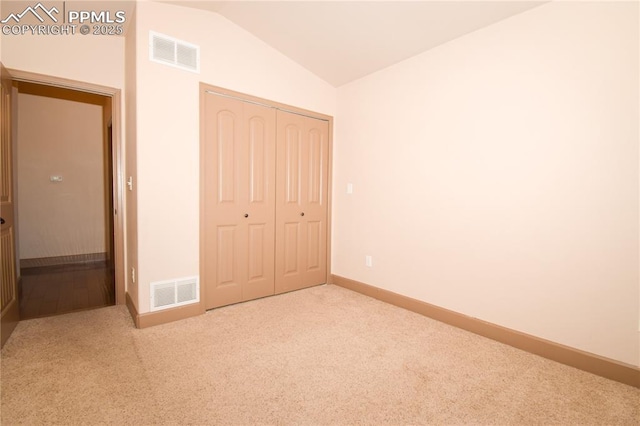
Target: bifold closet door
(239,201)
(301,201)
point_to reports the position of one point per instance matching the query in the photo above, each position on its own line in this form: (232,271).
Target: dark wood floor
(53,290)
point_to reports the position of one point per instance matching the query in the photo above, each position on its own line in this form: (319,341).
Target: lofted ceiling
(341,41)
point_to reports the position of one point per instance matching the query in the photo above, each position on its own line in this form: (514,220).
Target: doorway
(65,198)
(71,251)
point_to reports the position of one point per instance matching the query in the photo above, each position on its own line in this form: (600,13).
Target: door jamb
(117,163)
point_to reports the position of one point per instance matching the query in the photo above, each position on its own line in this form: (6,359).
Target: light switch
(55,178)
(349,188)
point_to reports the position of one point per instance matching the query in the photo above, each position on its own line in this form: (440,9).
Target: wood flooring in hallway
(53,290)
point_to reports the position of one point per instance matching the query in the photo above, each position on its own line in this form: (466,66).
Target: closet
(264,198)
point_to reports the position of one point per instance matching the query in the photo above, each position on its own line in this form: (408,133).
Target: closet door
(301,201)
(239,201)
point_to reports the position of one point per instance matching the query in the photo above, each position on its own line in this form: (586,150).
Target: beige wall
(131,231)
(497,176)
(91,59)
(168,126)
(62,138)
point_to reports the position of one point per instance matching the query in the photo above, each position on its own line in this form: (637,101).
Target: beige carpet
(324,355)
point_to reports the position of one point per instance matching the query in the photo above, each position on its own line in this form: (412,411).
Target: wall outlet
(368,261)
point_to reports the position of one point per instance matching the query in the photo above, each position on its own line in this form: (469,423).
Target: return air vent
(169,294)
(170,51)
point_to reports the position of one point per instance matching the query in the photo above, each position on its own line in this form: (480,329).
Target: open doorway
(65,200)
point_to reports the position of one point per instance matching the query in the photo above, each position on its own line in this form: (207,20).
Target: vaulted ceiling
(341,41)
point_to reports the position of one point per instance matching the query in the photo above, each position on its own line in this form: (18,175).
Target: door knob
(246,215)
(2,221)
(302,214)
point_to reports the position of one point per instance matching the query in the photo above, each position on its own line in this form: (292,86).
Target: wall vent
(170,51)
(169,294)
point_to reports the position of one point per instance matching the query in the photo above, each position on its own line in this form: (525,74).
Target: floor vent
(170,51)
(169,294)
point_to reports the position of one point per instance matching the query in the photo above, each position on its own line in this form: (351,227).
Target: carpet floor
(319,356)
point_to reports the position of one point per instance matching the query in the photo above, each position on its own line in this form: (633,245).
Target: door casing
(117,163)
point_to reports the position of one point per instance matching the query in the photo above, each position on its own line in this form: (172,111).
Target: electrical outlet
(368,261)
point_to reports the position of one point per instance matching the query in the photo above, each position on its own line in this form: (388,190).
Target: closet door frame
(207,89)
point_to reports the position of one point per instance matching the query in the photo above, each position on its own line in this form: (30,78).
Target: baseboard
(601,366)
(132,310)
(63,260)
(151,319)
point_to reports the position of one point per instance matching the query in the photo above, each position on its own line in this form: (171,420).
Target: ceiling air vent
(170,51)
(169,294)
